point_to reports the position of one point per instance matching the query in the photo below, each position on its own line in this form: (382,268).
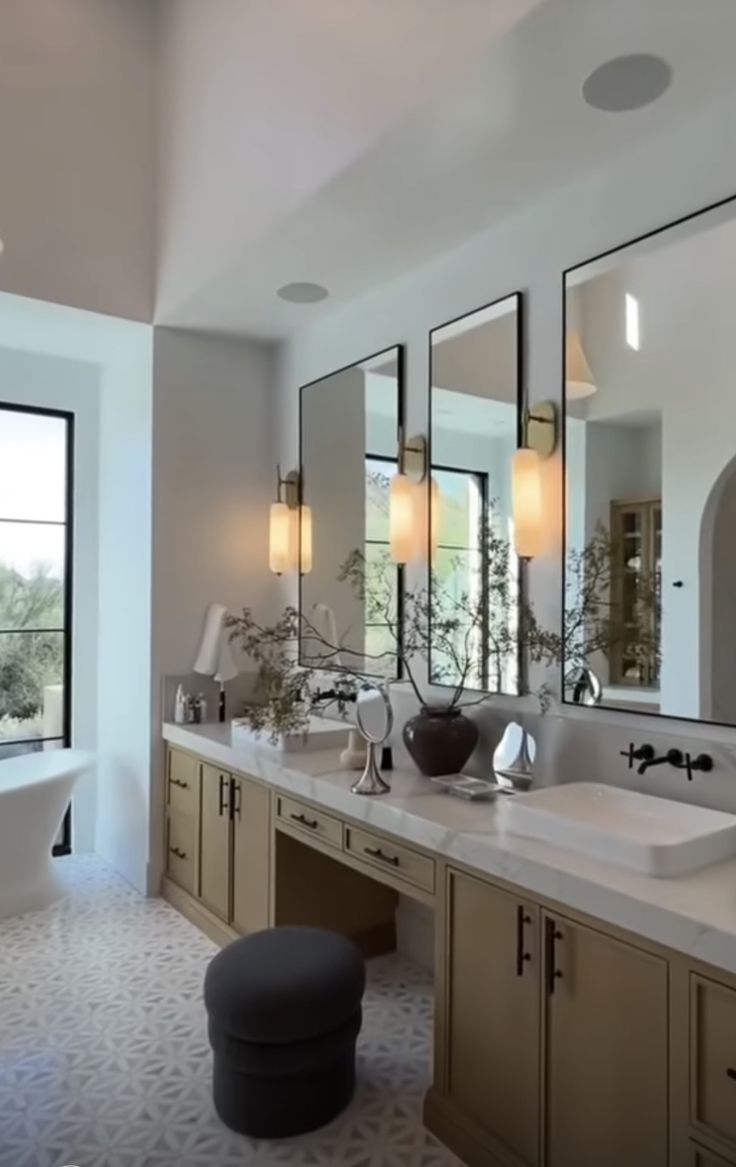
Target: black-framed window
(382,577)
(36,473)
(459,563)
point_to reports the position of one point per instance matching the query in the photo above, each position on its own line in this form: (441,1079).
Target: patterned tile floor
(104,1059)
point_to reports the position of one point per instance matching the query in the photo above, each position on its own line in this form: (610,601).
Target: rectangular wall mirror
(650,580)
(349,433)
(475,392)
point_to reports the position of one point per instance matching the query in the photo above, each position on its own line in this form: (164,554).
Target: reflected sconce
(579,381)
(290,527)
(408,500)
(539,443)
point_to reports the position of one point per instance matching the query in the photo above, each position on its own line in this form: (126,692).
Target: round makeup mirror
(375,719)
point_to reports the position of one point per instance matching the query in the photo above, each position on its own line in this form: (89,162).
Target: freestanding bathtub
(35,790)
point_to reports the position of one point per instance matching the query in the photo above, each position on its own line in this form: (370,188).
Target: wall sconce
(290,527)
(408,501)
(539,443)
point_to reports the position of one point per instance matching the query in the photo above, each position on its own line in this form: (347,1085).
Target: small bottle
(179,707)
(189,710)
(201,708)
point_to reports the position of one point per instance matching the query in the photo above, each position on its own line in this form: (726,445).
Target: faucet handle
(644,753)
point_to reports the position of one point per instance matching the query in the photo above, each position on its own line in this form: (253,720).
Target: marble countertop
(693,914)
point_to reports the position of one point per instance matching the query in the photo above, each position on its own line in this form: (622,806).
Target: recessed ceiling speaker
(627,83)
(302,292)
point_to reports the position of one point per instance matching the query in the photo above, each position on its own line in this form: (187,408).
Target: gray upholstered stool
(284,1013)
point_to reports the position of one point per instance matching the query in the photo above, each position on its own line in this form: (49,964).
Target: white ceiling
(337,141)
(349,144)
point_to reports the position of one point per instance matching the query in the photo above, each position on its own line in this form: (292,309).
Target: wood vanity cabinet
(227,826)
(606,1046)
(555,1044)
(493,1014)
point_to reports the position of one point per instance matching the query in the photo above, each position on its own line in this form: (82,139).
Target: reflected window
(460,565)
(381,576)
(35,543)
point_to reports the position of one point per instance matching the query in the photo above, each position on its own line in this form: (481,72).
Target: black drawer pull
(731,1073)
(178,852)
(236,799)
(302,818)
(178,782)
(552,935)
(377,853)
(522,919)
(224,785)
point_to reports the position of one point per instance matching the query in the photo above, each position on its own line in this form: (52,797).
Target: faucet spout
(673,757)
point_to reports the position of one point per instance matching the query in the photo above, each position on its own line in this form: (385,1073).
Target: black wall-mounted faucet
(647,758)
(634,753)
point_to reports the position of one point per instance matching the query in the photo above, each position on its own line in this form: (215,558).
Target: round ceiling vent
(303,293)
(626,83)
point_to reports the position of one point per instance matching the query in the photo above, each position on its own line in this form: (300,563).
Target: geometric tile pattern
(104,1060)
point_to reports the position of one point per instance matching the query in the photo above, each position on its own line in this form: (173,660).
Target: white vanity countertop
(693,914)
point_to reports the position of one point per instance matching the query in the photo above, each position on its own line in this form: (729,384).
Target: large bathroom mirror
(475,390)
(351,597)
(650,579)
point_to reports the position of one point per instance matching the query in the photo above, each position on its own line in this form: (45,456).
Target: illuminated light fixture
(579,381)
(407,507)
(290,527)
(632,322)
(527,494)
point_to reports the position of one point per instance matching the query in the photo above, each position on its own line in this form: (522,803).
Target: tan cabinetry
(250,862)
(493,1014)
(713,1060)
(606,1036)
(218,841)
(215,858)
(554,1049)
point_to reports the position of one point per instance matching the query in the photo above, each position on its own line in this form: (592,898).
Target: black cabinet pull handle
(731,1073)
(236,798)
(224,782)
(522,919)
(377,853)
(302,818)
(178,782)
(552,935)
(178,852)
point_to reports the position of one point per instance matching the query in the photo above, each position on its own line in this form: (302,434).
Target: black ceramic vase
(440,740)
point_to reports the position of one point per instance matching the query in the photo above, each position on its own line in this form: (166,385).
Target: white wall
(681,172)
(77,134)
(104,366)
(56,382)
(214,477)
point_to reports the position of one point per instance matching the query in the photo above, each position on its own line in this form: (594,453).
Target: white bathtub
(35,790)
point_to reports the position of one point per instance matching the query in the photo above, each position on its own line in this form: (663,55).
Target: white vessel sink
(654,836)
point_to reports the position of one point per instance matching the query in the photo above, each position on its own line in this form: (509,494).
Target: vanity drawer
(311,822)
(713,1058)
(182,781)
(385,855)
(180,840)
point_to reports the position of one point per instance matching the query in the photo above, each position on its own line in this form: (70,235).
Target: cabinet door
(606,1050)
(250,855)
(493,1013)
(214,859)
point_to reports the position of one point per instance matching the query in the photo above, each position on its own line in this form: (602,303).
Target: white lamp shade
(305,537)
(227,670)
(280,538)
(402,519)
(527,504)
(579,381)
(208,655)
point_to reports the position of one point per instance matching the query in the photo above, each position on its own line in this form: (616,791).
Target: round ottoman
(284,1013)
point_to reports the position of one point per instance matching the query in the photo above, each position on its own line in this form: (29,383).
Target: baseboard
(218,931)
(462,1136)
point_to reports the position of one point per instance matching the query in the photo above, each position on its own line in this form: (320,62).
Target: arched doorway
(718,600)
